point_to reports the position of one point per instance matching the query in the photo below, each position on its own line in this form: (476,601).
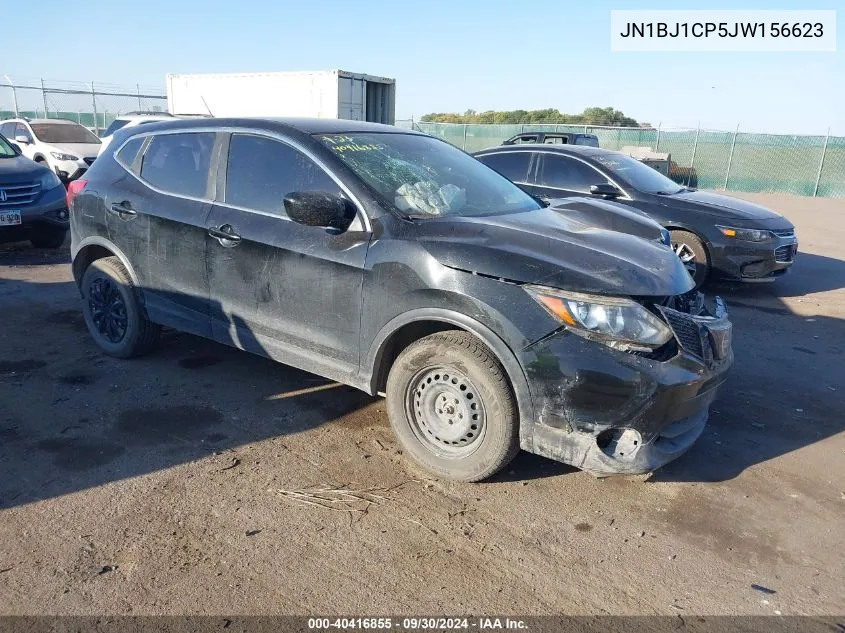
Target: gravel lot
(186,481)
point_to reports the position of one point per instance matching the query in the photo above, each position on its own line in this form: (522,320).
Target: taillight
(74,189)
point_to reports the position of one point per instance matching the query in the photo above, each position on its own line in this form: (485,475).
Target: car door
(562,176)
(516,166)
(156,215)
(278,288)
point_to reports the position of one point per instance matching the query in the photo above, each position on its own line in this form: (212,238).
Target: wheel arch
(93,248)
(411,326)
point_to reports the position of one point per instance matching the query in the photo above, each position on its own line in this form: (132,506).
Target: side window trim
(625,195)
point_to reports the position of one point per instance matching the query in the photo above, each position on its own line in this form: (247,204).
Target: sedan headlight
(60,156)
(617,322)
(747,235)
(49,180)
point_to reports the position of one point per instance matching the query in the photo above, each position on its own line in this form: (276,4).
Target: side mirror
(320,208)
(605,189)
(23,139)
(16,147)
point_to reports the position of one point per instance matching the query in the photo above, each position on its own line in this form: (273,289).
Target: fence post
(730,158)
(94,104)
(14,95)
(44,99)
(694,147)
(657,144)
(465,138)
(821,163)
(138,88)
(585,129)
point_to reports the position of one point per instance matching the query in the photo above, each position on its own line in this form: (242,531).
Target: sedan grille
(785,232)
(18,195)
(785,254)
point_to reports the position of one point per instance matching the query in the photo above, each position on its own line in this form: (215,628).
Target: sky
(445,56)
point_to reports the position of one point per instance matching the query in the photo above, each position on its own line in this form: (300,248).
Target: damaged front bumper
(612,412)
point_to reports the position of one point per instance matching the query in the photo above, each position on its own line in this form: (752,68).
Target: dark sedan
(716,236)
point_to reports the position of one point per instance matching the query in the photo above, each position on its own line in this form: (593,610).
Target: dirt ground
(186,482)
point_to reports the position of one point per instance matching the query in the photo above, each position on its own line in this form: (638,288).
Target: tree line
(590,116)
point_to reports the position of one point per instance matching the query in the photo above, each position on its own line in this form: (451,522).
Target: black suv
(391,261)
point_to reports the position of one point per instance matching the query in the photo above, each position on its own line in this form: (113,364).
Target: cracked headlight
(617,322)
(747,235)
(60,156)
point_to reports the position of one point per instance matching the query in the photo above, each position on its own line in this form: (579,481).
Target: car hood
(83,150)
(19,169)
(578,244)
(728,208)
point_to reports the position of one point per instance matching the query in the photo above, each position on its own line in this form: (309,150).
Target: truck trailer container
(332,94)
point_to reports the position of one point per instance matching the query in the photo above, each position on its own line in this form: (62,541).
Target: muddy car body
(392,262)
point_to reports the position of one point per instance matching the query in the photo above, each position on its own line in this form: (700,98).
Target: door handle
(123,210)
(225,235)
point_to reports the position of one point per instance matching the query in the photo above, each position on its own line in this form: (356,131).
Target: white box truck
(334,94)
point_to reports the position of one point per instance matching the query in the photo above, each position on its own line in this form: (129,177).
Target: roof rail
(155,112)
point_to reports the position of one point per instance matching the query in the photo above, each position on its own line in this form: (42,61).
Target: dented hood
(576,244)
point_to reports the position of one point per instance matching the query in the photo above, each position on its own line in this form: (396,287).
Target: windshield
(423,176)
(63,133)
(639,175)
(6,150)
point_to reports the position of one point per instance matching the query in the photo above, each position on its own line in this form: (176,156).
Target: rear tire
(693,255)
(452,408)
(48,237)
(113,312)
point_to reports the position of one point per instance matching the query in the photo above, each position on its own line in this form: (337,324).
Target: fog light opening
(619,443)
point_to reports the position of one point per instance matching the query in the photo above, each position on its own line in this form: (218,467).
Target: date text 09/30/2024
(417,624)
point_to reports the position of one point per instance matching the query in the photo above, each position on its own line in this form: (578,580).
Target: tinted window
(262,171)
(8,130)
(563,172)
(556,140)
(590,141)
(128,152)
(20,130)
(512,165)
(63,133)
(114,126)
(178,163)
(525,138)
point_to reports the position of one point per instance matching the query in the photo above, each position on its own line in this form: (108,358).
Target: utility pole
(821,163)
(14,95)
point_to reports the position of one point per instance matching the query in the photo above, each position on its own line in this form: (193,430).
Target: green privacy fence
(708,159)
(88,119)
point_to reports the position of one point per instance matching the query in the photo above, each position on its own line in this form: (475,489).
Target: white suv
(131,119)
(64,146)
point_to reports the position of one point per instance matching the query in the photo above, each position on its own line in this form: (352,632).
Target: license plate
(8,218)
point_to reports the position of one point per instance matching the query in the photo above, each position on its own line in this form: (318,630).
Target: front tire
(112,311)
(452,408)
(693,255)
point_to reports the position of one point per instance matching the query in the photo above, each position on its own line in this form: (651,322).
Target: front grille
(785,232)
(18,195)
(88,161)
(686,330)
(785,254)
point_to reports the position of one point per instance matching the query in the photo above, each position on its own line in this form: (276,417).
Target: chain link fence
(708,159)
(92,105)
